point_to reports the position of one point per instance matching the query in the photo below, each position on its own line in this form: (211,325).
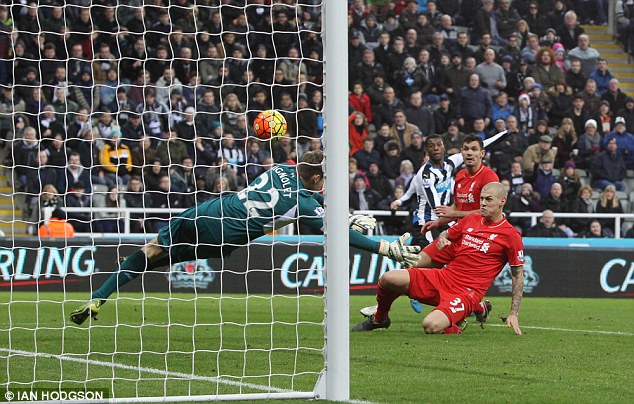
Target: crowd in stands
(154,103)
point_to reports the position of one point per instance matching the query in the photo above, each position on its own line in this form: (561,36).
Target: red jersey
(466,191)
(482,250)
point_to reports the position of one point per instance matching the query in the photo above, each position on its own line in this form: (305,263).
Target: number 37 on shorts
(456,305)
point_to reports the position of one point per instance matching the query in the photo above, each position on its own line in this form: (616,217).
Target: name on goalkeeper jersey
(283,176)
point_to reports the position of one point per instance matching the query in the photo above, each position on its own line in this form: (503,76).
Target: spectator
(602,76)
(115,159)
(524,201)
(569,180)
(506,18)
(172,150)
(565,141)
(582,204)
(183,182)
(394,224)
(385,111)
(560,56)
(595,230)
(570,31)
(608,167)
(587,55)
(462,49)
(536,19)
(561,102)
(443,115)
(543,177)
(453,138)
(161,199)
(357,131)
(527,116)
(367,154)
(284,150)
(546,72)
(57,226)
(614,96)
(401,130)
(546,228)
(415,152)
(501,108)
(609,203)
(522,31)
(391,163)
(406,174)
(417,114)
(24,157)
(109,222)
(154,113)
(628,114)
(362,197)
(515,178)
(529,52)
(554,200)
(378,181)
(491,74)
(510,149)
(360,101)
(485,43)
(475,102)
(605,115)
(624,140)
(575,78)
(381,138)
(589,144)
(579,114)
(254,159)
(78,198)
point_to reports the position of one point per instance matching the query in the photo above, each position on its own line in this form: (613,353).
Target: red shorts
(443,256)
(428,286)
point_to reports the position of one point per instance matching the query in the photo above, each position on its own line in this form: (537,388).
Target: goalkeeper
(280,196)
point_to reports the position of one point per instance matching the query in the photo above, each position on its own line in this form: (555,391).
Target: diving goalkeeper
(282,195)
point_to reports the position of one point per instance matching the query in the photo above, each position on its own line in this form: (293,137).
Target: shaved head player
(483,242)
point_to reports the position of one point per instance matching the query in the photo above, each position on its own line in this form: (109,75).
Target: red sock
(384,298)
(453,329)
(479,308)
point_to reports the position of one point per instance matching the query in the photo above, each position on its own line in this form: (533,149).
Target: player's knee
(394,280)
(432,327)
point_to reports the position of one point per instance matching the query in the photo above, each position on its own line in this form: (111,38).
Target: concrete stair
(11,221)
(618,62)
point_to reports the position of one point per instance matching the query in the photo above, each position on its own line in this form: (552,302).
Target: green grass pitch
(572,350)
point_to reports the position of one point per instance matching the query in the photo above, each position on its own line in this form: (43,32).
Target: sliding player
(434,187)
(282,195)
(483,243)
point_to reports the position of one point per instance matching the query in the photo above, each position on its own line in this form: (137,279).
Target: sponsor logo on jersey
(443,186)
(319,211)
(504,280)
(196,274)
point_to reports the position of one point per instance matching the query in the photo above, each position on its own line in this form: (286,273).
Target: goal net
(115,117)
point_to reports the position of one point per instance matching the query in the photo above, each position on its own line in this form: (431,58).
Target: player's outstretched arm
(396,250)
(361,223)
(517,276)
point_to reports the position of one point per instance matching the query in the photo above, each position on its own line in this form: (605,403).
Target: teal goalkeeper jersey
(273,200)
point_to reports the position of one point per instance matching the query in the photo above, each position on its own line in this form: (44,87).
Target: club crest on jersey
(485,247)
(470,198)
(520,255)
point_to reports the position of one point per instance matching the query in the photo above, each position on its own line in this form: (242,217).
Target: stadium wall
(554,268)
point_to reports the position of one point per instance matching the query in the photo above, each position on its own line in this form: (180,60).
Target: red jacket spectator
(360,101)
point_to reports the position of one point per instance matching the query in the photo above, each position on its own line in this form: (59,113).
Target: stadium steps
(618,62)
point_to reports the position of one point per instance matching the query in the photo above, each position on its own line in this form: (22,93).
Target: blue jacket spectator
(475,102)
(624,141)
(608,168)
(501,108)
(543,177)
(602,76)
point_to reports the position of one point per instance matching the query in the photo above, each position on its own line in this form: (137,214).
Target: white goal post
(179,342)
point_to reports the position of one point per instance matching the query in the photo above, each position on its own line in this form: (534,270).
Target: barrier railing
(150,213)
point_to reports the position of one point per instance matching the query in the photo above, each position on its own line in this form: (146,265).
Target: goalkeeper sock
(384,298)
(131,268)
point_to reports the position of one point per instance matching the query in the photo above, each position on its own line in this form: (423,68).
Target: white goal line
(532,327)
(269,389)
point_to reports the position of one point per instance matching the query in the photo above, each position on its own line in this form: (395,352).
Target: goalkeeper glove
(398,251)
(360,223)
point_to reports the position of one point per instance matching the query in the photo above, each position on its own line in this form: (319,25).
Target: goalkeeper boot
(90,308)
(484,316)
(368,311)
(368,324)
(416,305)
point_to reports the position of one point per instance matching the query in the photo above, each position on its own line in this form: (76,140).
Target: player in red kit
(466,195)
(484,242)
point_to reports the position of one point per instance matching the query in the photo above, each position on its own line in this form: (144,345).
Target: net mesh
(120,116)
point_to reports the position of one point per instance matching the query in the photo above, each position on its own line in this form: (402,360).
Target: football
(270,124)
